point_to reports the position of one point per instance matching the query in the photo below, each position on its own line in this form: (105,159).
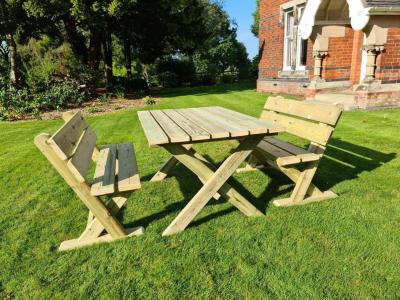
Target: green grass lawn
(343,248)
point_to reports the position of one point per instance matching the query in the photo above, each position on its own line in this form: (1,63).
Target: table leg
(214,182)
(165,169)
(171,163)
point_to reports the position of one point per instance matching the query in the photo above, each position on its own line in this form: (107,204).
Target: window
(295,49)
(288,47)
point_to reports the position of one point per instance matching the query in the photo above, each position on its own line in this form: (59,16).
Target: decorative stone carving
(319,55)
(372,53)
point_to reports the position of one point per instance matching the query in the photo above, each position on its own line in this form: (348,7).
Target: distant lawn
(344,248)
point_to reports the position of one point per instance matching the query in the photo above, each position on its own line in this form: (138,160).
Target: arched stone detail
(358,14)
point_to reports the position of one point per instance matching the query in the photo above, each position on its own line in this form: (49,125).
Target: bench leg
(303,187)
(106,238)
(95,232)
(305,191)
(251,165)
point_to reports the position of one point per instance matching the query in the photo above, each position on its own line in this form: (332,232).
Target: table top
(187,125)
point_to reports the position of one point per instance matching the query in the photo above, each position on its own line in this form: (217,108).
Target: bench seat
(116,170)
(285,153)
(71,150)
(310,121)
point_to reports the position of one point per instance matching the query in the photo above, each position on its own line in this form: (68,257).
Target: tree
(56,20)
(12,16)
(256,20)
(222,49)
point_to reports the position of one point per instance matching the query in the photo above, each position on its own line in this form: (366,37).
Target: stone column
(318,58)
(372,53)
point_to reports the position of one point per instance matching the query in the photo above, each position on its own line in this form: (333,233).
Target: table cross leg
(204,170)
(214,181)
(172,162)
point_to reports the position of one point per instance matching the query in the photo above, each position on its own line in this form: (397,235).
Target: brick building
(332,50)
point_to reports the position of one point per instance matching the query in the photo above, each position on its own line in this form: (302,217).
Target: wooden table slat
(154,133)
(255,126)
(216,132)
(237,121)
(187,125)
(195,132)
(222,121)
(173,131)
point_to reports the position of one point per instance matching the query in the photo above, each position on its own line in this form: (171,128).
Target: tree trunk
(94,49)
(14,71)
(75,39)
(128,59)
(107,51)
(146,74)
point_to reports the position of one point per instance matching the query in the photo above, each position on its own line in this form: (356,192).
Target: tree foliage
(256,20)
(163,42)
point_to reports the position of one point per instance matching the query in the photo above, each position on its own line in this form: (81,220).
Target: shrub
(149,100)
(105,98)
(61,94)
(206,71)
(168,79)
(15,103)
(119,93)
(231,75)
(45,63)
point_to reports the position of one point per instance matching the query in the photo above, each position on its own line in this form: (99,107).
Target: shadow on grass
(206,90)
(342,161)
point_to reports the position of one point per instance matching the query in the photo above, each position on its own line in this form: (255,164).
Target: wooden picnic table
(176,130)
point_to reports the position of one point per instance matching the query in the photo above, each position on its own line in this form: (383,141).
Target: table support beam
(214,182)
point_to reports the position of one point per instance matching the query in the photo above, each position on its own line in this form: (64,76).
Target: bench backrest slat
(64,141)
(81,158)
(324,113)
(301,119)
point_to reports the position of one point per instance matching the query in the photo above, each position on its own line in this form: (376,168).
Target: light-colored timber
(216,131)
(206,124)
(154,133)
(195,132)
(71,158)
(128,173)
(215,180)
(324,113)
(174,132)
(81,156)
(313,122)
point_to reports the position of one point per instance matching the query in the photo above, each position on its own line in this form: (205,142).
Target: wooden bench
(71,150)
(310,121)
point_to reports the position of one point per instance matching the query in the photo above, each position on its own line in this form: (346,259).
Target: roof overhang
(358,14)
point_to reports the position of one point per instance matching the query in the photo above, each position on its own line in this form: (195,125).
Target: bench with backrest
(71,150)
(313,122)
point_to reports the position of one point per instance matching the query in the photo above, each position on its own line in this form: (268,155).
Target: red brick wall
(356,57)
(270,38)
(388,62)
(310,60)
(337,65)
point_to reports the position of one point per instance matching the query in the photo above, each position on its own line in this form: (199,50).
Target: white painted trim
(358,14)
(286,64)
(291,4)
(308,19)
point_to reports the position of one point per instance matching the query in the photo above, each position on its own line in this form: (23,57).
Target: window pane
(303,52)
